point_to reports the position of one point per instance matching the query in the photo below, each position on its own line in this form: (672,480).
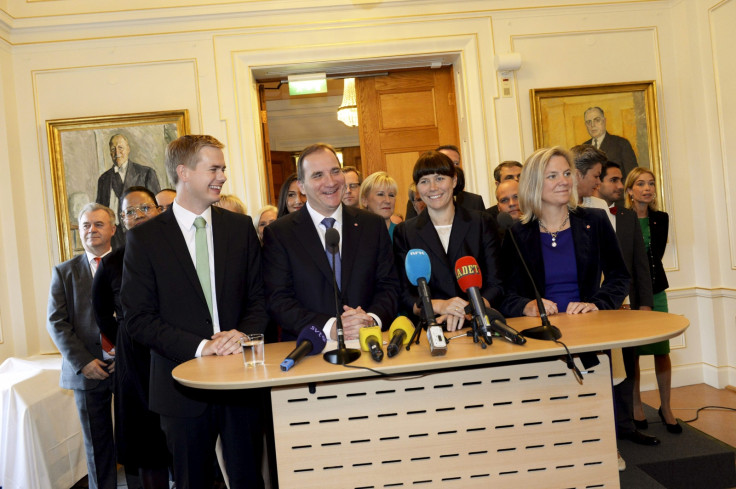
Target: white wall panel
(201,57)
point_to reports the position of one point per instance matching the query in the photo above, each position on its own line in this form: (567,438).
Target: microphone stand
(342,355)
(423,320)
(546,331)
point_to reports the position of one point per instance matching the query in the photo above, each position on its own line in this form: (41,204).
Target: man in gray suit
(86,367)
(123,174)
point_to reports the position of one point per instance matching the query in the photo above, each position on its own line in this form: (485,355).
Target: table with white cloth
(41,443)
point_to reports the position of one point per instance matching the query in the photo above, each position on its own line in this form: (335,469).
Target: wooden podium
(506,416)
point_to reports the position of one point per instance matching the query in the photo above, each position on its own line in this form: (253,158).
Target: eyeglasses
(133,210)
(590,122)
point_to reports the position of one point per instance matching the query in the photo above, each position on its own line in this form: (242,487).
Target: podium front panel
(528,424)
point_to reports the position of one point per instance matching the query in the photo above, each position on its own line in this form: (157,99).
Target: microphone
(311,341)
(418,270)
(400,332)
(498,324)
(341,355)
(370,340)
(470,280)
(332,240)
(546,331)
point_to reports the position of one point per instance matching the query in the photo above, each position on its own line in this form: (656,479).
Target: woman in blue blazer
(568,248)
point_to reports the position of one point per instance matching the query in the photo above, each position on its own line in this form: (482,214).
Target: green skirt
(661,347)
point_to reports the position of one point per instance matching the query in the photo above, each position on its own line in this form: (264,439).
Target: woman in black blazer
(446,232)
(566,247)
(641,196)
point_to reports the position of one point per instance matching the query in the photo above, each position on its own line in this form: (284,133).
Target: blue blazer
(596,253)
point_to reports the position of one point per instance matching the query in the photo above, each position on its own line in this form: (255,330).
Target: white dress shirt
(185,219)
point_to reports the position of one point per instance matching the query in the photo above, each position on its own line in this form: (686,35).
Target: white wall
(202,59)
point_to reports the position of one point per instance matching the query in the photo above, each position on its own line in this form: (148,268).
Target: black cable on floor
(697,413)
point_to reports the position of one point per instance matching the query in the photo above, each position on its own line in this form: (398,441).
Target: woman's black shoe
(672,428)
(641,424)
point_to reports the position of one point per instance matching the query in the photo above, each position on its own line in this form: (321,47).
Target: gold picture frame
(79,154)
(630,112)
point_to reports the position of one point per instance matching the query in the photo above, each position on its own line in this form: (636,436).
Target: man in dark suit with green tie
(192,287)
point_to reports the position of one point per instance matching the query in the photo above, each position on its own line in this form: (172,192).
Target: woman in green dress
(641,197)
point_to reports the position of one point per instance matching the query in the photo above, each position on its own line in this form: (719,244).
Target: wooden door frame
(466,43)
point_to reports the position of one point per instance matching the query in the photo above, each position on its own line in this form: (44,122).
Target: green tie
(202,255)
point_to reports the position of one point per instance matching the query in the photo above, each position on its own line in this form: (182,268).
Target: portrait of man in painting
(617,148)
(620,120)
(123,174)
(99,159)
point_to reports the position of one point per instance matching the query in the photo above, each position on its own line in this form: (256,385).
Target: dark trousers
(95,414)
(191,441)
(623,396)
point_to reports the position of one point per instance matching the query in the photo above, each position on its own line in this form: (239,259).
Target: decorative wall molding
(721,18)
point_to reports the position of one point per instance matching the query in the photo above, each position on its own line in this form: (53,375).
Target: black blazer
(473,234)
(634,253)
(464,199)
(596,252)
(659,225)
(298,277)
(164,305)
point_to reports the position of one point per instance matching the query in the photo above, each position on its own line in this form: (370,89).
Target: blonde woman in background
(265,216)
(378,195)
(232,203)
(641,196)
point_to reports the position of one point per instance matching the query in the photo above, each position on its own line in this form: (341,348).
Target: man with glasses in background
(139,441)
(353,179)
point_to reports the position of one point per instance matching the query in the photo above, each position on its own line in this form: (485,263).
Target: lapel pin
(587,227)
(355,224)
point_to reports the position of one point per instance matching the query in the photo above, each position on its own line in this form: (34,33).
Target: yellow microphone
(370,340)
(400,333)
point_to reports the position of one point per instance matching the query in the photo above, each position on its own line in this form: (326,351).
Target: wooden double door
(400,115)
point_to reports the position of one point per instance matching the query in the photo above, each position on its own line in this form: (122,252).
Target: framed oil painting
(621,117)
(93,159)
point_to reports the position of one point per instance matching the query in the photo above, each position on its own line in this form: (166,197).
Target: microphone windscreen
(315,336)
(332,240)
(417,265)
(402,323)
(370,331)
(468,273)
(505,221)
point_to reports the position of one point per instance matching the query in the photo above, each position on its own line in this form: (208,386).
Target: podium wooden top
(594,331)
